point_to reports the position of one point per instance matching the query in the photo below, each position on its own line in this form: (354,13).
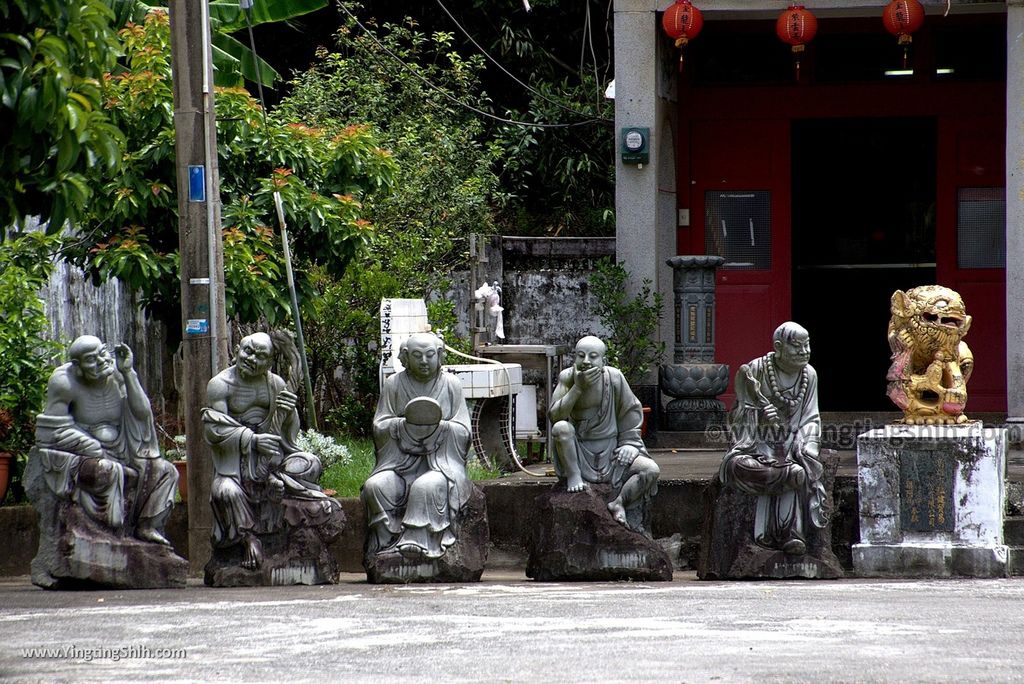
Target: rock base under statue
(931,501)
(728,550)
(575,539)
(293,555)
(76,552)
(79,554)
(463,561)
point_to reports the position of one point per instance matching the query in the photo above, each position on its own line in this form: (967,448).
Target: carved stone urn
(694,380)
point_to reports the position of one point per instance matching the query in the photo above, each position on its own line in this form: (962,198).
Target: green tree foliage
(562,176)
(549,65)
(53,129)
(25,355)
(131,230)
(445,189)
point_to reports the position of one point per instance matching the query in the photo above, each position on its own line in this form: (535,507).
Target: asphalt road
(508,629)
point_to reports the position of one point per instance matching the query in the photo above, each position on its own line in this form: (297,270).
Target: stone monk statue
(596,428)
(421,432)
(262,481)
(97,442)
(776,430)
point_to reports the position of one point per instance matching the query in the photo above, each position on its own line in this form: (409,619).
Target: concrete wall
(546,289)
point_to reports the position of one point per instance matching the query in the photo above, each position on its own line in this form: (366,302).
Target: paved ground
(507,629)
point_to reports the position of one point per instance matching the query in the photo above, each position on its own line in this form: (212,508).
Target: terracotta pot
(643,426)
(182,467)
(6,467)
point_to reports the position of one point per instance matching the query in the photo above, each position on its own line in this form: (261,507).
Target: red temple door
(971,245)
(740,209)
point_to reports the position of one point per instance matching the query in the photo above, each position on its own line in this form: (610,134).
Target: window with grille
(738,226)
(981,228)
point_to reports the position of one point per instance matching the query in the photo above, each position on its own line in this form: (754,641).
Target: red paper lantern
(902,18)
(682,22)
(796,27)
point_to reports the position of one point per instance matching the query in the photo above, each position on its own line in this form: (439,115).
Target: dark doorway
(863,227)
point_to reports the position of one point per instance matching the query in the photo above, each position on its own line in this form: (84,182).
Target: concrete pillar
(1015,210)
(645,198)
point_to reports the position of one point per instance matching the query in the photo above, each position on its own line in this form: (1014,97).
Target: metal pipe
(211,236)
(299,338)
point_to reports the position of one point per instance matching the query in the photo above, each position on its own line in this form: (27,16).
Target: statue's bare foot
(575,484)
(794,547)
(618,512)
(253,553)
(412,552)
(148,534)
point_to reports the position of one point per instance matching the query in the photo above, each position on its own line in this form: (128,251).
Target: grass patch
(346,478)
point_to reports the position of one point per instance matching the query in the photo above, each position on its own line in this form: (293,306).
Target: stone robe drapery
(769,459)
(601,430)
(419,485)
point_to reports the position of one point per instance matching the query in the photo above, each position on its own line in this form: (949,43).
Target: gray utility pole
(202,257)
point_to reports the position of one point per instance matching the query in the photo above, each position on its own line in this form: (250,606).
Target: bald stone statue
(776,431)
(97,442)
(596,428)
(421,431)
(262,482)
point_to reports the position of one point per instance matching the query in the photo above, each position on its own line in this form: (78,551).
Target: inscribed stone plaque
(926,490)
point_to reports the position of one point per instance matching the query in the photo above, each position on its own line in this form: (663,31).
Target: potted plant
(178,456)
(6,457)
(633,323)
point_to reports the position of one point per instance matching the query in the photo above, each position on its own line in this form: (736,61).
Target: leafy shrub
(26,357)
(325,448)
(633,321)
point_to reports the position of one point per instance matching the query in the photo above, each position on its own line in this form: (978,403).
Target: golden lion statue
(931,363)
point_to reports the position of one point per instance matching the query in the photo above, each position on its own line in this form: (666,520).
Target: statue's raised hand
(588,377)
(286,400)
(124,358)
(771,413)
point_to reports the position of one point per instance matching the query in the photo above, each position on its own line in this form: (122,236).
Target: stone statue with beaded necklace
(775,430)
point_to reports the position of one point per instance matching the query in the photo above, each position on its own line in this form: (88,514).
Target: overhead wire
(508,73)
(444,93)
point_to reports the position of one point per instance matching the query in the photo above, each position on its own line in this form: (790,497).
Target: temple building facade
(831,176)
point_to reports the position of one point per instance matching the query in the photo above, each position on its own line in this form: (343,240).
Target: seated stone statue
(263,483)
(594,524)
(596,428)
(421,430)
(776,431)
(97,454)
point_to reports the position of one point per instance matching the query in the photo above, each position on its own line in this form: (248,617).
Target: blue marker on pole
(196,183)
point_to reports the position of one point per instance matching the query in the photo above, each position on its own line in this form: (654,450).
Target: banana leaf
(232,59)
